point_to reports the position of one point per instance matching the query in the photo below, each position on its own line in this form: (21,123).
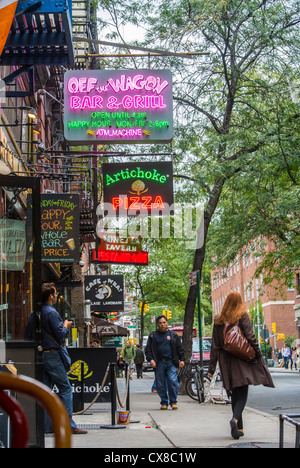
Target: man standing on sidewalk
(55,331)
(165,353)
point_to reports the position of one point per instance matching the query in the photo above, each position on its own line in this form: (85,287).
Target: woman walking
(236,373)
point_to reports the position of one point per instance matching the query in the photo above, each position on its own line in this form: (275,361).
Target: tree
(226,97)
(224,111)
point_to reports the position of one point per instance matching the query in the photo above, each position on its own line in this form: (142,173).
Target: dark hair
(47,290)
(160,317)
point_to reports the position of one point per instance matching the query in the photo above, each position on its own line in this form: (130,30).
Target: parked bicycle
(197,384)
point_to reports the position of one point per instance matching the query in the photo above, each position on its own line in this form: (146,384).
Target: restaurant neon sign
(118,107)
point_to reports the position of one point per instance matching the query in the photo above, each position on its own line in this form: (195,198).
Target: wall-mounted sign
(60,228)
(115,248)
(118,106)
(146,188)
(12,244)
(106,292)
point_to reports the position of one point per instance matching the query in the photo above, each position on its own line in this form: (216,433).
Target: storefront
(21,276)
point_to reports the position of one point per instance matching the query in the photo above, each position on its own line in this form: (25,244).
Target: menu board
(60,228)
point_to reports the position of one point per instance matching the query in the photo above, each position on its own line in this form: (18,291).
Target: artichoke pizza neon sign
(112,106)
(144,188)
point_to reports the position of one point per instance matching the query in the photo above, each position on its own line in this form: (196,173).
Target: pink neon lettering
(112,103)
(75,102)
(127,102)
(150,83)
(86,102)
(83,85)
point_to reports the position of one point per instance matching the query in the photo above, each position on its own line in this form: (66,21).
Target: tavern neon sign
(139,100)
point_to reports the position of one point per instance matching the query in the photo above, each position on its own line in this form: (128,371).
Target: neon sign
(115,248)
(139,188)
(136,258)
(112,106)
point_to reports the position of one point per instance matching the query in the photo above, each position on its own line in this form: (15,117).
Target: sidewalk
(191,426)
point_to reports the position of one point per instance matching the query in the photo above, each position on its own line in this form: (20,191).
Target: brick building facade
(278,302)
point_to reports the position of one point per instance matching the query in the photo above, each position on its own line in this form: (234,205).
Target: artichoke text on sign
(115,106)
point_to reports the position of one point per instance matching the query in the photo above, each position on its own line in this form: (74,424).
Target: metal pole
(200,335)
(199,318)
(128,393)
(113,395)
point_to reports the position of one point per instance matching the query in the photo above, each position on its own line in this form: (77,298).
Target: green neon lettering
(136,174)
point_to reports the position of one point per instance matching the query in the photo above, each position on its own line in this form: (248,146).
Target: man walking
(139,361)
(286,353)
(129,353)
(165,353)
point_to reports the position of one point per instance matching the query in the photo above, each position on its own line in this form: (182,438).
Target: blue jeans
(55,375)
(166,382)
(286,361)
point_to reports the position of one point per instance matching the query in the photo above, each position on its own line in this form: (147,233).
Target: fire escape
(42,35)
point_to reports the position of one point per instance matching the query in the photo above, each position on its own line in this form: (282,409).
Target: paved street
(285,398)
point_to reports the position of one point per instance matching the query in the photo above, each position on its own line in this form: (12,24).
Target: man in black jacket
(165,353)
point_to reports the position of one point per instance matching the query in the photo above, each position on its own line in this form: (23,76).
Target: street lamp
(32,113)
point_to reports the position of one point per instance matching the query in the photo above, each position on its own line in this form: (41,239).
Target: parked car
(206,347)
(147,367)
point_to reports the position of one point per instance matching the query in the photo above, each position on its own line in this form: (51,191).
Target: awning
(39,33)
(7,12)
(104,328)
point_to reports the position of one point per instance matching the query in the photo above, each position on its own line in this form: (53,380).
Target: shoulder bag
(65,357)
(235,342)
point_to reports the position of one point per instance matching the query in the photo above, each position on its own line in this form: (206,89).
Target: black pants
(238,400)
(139,370)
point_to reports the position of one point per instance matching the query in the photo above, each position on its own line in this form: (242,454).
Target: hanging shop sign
(106,292)
(145,188)
(12,244)
(114,248)
(115,106)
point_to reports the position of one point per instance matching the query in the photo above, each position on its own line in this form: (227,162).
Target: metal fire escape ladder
(82,27)
(41,34)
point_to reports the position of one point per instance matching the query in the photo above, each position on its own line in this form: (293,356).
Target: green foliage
(236,127)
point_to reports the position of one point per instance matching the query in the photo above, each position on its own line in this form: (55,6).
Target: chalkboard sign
(60,228)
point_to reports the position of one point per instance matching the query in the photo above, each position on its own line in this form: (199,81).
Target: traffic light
(146,308)
(113,316)
(169,315)
(274,327)
(141,307)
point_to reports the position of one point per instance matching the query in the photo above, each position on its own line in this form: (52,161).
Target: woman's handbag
(235,342)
